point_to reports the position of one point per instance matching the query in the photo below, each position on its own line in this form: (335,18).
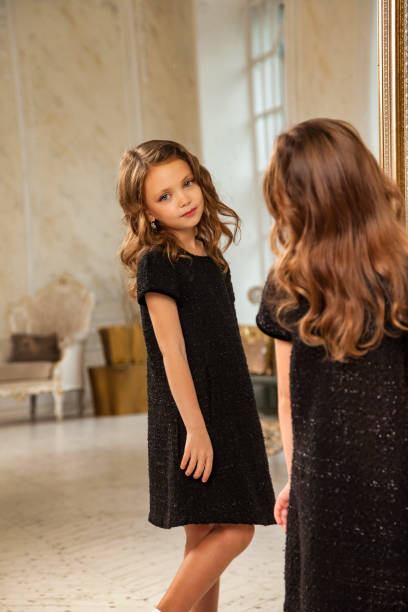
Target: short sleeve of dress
(266,320)
(155,272)
(228,282)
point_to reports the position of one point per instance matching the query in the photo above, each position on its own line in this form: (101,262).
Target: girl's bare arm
(283,352)
(169,335)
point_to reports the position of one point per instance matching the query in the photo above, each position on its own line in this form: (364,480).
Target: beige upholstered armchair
(64,307)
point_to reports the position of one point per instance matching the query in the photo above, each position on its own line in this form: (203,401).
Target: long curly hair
(339,221)
(140,237)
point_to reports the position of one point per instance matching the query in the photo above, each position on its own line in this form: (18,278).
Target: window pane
(257,84)
(270,25)
(274,126)
(281,8)
(280,63)
(267,76)
(272,82)
(266,23)
(261,144)
(256,29)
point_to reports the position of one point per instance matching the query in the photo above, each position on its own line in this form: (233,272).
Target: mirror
(81,82)
(269,64)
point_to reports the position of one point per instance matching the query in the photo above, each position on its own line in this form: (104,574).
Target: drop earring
(153,225)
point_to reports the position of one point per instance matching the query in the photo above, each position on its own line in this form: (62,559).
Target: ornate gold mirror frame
(393,90)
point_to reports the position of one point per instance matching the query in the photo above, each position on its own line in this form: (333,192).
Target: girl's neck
(196,247)
(190,243)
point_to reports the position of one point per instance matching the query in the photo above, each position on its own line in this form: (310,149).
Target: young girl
(337,303)
(208,469)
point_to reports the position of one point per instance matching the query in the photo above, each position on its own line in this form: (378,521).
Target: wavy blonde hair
(339,220)
(140,237)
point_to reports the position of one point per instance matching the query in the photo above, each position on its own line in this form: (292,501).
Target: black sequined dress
(347,527)
(239,489)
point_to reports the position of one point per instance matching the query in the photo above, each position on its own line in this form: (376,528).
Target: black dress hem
(181,523)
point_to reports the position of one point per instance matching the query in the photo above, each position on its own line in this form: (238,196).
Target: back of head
(339,221)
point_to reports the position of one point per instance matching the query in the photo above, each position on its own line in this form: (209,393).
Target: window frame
(260,59)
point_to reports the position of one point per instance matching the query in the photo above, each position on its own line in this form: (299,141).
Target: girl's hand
(198,453)
(281,506)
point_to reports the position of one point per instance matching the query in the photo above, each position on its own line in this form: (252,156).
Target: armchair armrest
(70,367)
(71,340)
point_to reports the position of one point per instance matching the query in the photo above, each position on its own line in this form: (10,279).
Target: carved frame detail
(393,91)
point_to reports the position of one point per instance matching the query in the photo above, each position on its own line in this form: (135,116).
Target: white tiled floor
(74,535)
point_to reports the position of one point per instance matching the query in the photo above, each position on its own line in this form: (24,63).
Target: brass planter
(119,389)
(123,344)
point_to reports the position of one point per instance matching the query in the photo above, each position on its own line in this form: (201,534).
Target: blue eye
(165,196)
(188,183)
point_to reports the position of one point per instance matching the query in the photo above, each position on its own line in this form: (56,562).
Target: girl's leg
(204,564)
(194,535)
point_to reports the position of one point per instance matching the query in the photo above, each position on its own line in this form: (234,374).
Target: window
(266,55)
(266,64)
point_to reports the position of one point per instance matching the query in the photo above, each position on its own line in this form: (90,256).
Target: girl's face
(171,192)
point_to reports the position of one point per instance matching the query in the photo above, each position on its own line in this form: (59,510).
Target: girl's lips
(189,214)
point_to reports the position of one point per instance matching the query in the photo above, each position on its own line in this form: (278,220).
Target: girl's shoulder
(157,258)
(154,256)
(266,318)
(156,273)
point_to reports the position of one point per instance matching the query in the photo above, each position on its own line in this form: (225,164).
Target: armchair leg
(58,404)
(33,406)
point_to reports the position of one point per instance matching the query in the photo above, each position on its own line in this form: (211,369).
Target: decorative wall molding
(7,9)
(132,19)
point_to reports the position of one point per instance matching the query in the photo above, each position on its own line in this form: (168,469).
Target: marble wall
(331,63)
(168,72)
(81,82)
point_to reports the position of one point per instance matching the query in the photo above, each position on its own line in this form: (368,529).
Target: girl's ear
(150,217)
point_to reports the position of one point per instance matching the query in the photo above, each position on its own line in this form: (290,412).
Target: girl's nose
(184,200)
